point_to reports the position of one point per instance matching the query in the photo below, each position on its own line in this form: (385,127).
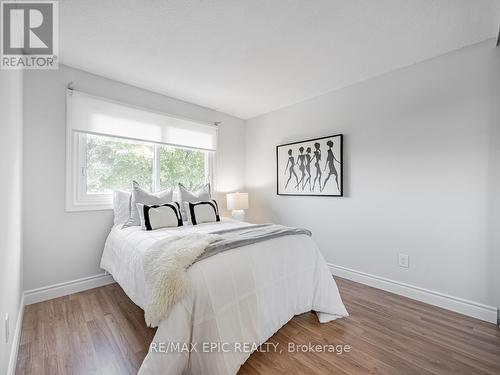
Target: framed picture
(311,167)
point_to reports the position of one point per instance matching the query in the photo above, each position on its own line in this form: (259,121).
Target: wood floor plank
(101,332)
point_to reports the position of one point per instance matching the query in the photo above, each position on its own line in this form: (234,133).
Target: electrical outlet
(404,260)
(6,328)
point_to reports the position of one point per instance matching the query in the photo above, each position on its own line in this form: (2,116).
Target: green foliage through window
(112,164)
(181,165)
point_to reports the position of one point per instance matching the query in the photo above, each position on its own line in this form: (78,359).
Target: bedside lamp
(237,203)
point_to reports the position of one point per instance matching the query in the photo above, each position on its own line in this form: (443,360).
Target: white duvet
(238,299)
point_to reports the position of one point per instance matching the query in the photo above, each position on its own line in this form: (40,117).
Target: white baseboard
(69,287)
(459,305)
(11,369)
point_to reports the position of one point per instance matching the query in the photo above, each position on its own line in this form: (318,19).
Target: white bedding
(242,296)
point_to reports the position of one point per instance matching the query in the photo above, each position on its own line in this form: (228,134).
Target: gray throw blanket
(242,236)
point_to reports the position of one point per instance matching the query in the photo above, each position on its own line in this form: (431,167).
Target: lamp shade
(237,201)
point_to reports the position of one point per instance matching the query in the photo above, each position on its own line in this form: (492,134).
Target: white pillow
(201,193)
(155,217)
(140,195)
(121,206)
(202,212)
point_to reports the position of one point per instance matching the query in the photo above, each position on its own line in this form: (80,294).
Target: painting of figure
(312,167)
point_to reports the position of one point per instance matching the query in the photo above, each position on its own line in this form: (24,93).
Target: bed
(238,298)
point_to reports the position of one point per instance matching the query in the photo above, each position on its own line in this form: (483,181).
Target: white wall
(61,246)
(11,127)
(230,164)
(494,192)
(417,153)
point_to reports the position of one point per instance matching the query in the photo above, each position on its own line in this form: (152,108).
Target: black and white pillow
(156,217)
(202,212)
(202,193)
(140,195)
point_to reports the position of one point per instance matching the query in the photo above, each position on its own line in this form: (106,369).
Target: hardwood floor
(101,331)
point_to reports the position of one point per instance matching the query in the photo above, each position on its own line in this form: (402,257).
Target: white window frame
(77,198)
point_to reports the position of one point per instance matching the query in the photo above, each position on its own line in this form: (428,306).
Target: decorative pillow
(155,217)
(142,196)
(202,212)
(201,193)
(121,206)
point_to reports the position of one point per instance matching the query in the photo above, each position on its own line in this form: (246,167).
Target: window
(115,152)
(109,163)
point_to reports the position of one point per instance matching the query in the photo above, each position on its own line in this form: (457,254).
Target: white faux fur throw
(165,266)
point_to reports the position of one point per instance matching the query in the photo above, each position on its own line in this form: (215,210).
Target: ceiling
(249,57)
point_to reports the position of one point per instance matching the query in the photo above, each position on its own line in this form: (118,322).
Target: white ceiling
(249,57)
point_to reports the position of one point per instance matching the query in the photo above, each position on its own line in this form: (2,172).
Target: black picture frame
(300,158)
